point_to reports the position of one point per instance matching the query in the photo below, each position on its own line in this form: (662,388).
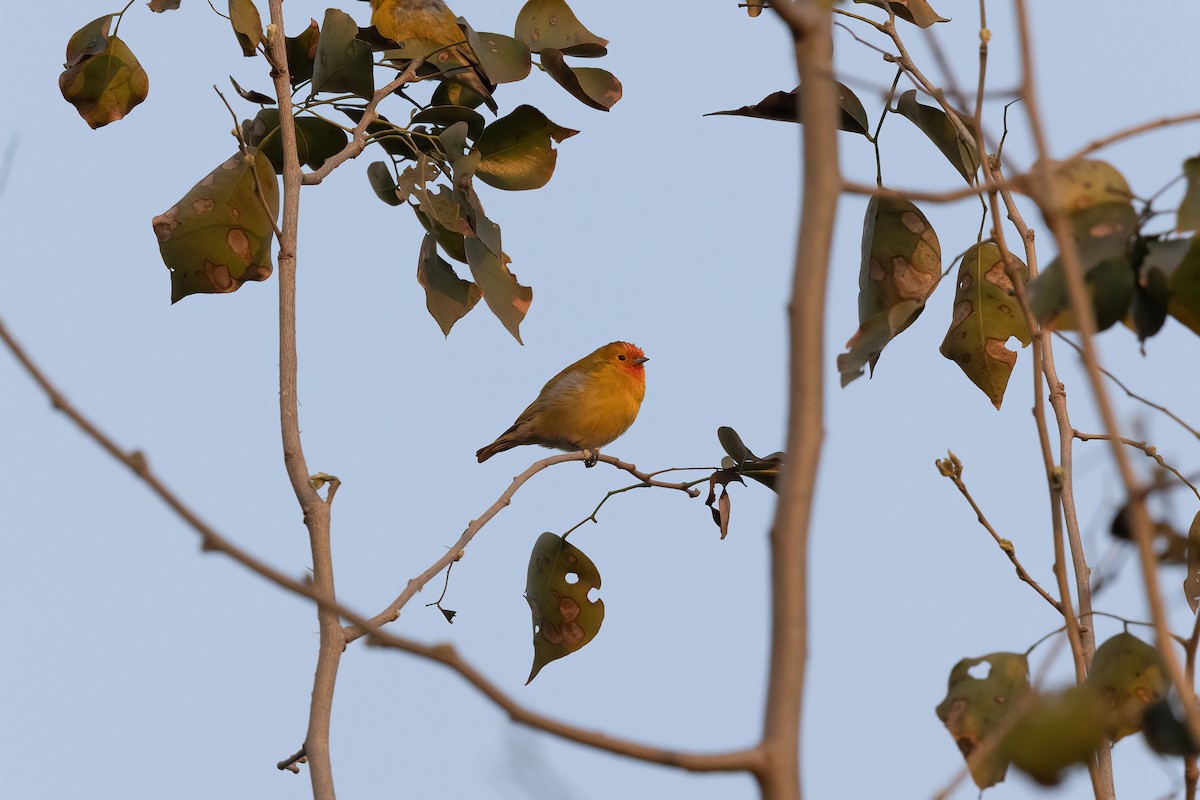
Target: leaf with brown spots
(986,315)
(552,24)
(1127,675)
(103,78)
(556,588)
(219,235)
(976,706)
(448,297)
(918,12)
(901,266)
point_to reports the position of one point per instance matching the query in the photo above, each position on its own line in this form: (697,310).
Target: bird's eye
(620,358)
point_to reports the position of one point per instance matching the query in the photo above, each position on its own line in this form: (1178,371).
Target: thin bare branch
(1135,130)
(1150,450)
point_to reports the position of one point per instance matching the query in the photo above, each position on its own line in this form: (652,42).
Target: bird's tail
(507,441)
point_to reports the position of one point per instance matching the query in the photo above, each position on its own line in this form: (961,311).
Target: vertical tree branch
(811,27)
(316,510)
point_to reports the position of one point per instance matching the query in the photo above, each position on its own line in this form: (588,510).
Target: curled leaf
(785,107)
(596,88)
(103,78)
(447,297)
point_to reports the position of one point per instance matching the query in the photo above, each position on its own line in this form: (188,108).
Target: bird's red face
(631,358)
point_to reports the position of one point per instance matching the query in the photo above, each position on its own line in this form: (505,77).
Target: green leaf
(103,84)
(785,107)
(1184,279)
(302,53)
(1188,216)
(901,266)
(453,243)
(557,587)
(918,12)
(743,462)
(1191,584)
(1166,730)
(316,139)
(732,443)
(518,151)
(88,41)
(975,708)
(219,235)
(247,25)
(986,315)
(1127,675)
(1056,732)
(379,174)
(507,298)
(552,23)
(934,123)
(596,88)
(504,59)
(342,62)
(1080,184)
(449,93)
(448,297)
(324,139)
(442,117)
(1151,302)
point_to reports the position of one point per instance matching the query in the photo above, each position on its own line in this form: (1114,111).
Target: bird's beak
(640,360)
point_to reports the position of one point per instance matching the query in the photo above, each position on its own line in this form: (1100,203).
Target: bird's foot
(591,457)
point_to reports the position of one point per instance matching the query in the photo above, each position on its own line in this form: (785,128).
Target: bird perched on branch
(584,407)
(434,24)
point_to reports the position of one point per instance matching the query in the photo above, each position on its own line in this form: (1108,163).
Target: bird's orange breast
(592,411)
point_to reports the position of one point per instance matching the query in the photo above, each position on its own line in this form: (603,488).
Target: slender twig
(1150,450)
(592,517)
(1081,307)
(292,763)
(1135,130)
(359,139)
(952,469)
(212,541)
(392,612)
(1130,393)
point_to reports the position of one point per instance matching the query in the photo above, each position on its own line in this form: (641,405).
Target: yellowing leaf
(986,315)
(552,23)
(247,25)
(557,586)
(518,150)
(974,708)
(1127,675)
(901,265)
(219,235)
(1054,733)
(918,12)
(103,79)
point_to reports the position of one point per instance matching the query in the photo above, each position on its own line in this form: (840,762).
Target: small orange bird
(433,22)
(584,407)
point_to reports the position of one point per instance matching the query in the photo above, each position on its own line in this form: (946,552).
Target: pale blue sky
(138,668)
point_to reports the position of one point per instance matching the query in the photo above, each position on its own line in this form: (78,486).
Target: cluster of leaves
(740,462)
(218,235)
(997,719)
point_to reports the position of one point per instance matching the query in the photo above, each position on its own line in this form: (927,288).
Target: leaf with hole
(976,707)
(986,316)
(559,581)
(219,235)
(934,123)
(103,78)
(518,150)
(785,107)
(552,23)
(901,266)
(447,297)
(247,25)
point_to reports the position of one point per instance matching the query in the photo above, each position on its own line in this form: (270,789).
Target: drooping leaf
(755,7)
(1166,730)
(444,116)
(158,6)
(595,88)
(342,62)
(785,107)
(918,12)
(453,243)
(247,25)
(1179,261)
(379,174)
(1191,584)
(103,78)
(302,53)
(986,316)
(518,150)
(1109,286)
(219,235)
(1127,675)
(901,265)
(1151,302)
(448,297)
(934,123)
(507,298)
(504,59)
(974,708)
(564,618)
(1188,216)
(764,469)
(1056,732)
(552,23)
